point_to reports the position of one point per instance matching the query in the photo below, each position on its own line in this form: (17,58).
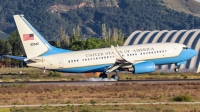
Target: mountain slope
(128,15)
(187,6)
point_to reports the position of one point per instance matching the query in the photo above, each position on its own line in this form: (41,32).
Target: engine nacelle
(144,67)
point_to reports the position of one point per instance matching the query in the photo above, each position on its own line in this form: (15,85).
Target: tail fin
(34,44)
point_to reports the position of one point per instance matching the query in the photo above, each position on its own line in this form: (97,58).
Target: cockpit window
(185,47)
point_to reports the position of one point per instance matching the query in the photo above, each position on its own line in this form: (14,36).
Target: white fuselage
(106,56)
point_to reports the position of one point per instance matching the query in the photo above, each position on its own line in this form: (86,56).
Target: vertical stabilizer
(34,44)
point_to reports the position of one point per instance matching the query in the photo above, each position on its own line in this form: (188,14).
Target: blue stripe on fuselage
(96,68)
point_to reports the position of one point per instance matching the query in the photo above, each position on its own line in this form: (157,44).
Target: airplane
(137,59)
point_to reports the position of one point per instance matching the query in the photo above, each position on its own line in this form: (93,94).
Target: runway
(82,104)
(98,83)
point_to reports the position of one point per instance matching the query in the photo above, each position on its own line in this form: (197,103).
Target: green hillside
(48,17)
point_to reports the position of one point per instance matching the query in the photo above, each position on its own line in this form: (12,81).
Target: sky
(198,0)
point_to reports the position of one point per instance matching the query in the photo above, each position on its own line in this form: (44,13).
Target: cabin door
(60,63)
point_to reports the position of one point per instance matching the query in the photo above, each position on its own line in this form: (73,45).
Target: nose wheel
(176,69)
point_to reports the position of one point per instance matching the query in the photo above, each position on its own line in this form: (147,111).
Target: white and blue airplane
(133,58)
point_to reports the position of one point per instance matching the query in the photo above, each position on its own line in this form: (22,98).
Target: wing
(120,61)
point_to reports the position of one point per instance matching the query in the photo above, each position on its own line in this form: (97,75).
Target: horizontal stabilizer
(15,57)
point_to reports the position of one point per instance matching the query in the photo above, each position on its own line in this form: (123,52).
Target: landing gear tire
(115,77)
(103,75)
(176,69)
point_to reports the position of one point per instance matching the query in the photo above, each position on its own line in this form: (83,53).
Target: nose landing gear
(176,68)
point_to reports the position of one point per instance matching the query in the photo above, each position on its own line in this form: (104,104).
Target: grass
(4,110)
(119,92)
(111,108)
(183,98)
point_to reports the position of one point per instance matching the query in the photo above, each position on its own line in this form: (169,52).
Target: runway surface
(97,83)
(58,105)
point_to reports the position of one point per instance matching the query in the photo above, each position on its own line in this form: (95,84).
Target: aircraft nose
(193,52)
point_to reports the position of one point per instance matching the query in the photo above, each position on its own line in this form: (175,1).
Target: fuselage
(98,60)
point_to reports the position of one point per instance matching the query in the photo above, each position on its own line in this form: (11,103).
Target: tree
(2,46)
(17,47)
(7,48)
(104,33)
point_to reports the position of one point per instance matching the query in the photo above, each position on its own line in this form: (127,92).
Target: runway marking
(98,83)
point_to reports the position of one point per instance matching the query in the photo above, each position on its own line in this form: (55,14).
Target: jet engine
(143,67)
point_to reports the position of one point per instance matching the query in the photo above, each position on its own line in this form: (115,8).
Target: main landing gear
(115,77)
(104,75)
